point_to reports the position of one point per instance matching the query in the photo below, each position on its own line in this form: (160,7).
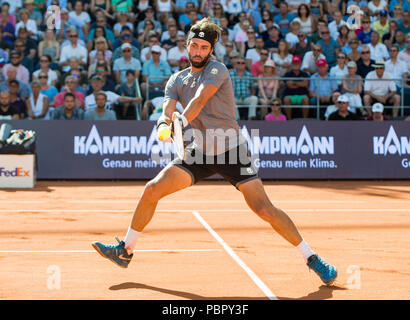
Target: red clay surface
(362,227)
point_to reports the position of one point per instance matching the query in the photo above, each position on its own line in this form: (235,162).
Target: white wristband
(184,120)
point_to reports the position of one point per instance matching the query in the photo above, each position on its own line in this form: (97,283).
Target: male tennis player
(205,90)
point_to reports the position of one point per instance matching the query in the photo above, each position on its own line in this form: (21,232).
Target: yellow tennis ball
(164,133)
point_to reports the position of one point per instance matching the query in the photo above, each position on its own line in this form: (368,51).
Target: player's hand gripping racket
(177,129)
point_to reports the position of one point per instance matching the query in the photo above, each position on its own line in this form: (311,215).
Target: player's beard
(199,64)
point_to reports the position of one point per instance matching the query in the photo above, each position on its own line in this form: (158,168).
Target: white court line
(204,210)
(238,260)
(93,251)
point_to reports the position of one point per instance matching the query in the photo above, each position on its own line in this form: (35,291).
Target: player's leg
(257,199)
(171,179)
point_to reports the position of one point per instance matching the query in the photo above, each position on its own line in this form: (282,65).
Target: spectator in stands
(306,20)
(405,54)
(315,37)
(275,114)
(400,40)
(102,70)
(364,36)
(13,6)
(123,19)
(176,53)
(251,43)
(268,88)
(352,85)
(24,90)
(282,58)
(127,62)
(330,47)
(256,67)
(122,5)
(155,67)
(390,37)
(220,49)
(241,35)
(172,40)
(274,36)
(244,89)
(180,5)
(343,38)
(46,89)
(100,112)
(69,110)
(7,28)
(37,104)
(217,13)
(33,14)
(6,14)
(302,47)
(143,35)
(353,51)
(333,108)
(309,62)
(335,25)
(15,100)
(7,112)
(378,51)
(80,17)
(101,21)
(15,63)
(381,26)
(365,64)
(284,18)
(397,68)
(31,46)
(321,93)
(49,45)
(149,15)
(397,12)
(340,69)
(100,44)
(26,61)
(64,25)
(253,54)
(73,50)
(129,88)
(296,91)
(111,97)
(24,20)
(377,113)
(52,75)
(380,91)
(292,36)
(126,37)
(404,24)
(71,84)
(376,6)
(231,56)
(343,112)
(146,52)
(183,63)
(96,5)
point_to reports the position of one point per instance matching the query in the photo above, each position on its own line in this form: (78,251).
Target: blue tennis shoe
(325,271)
(116,253)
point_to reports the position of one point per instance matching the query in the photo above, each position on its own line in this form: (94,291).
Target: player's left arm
(202,95)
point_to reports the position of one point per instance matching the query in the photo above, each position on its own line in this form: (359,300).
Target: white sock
(305,250)
(131,239)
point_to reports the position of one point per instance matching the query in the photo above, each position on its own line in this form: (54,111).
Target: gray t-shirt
(93,115)
(217,119)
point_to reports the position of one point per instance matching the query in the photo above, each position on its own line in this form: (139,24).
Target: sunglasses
(340,57)
(275,104)
(365,52)
(326,32)
(126,50)
(156,52)
(74,36)
(42,77)
(240,63)
(263,54)
(43,60)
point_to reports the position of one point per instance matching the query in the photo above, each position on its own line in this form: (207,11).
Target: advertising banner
(282,150)
(17,171)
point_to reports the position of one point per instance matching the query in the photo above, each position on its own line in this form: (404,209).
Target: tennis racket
(178,136)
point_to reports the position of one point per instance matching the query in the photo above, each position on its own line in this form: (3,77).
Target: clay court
(204,243)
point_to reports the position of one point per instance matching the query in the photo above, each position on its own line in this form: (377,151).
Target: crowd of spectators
(111,59)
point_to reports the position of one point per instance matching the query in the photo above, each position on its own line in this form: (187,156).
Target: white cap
(377,107)
(125,46)
(342,98)
(156,48)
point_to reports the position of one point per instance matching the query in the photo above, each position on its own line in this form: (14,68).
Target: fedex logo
(18,172)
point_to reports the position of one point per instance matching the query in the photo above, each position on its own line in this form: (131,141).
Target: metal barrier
(318,80)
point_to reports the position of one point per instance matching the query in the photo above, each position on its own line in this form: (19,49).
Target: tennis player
(205,91)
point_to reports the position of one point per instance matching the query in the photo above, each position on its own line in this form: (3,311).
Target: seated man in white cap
(377,113)
(383,91)
(343,113)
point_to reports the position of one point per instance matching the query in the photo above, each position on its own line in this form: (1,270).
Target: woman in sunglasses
(276,112)
(46,89)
